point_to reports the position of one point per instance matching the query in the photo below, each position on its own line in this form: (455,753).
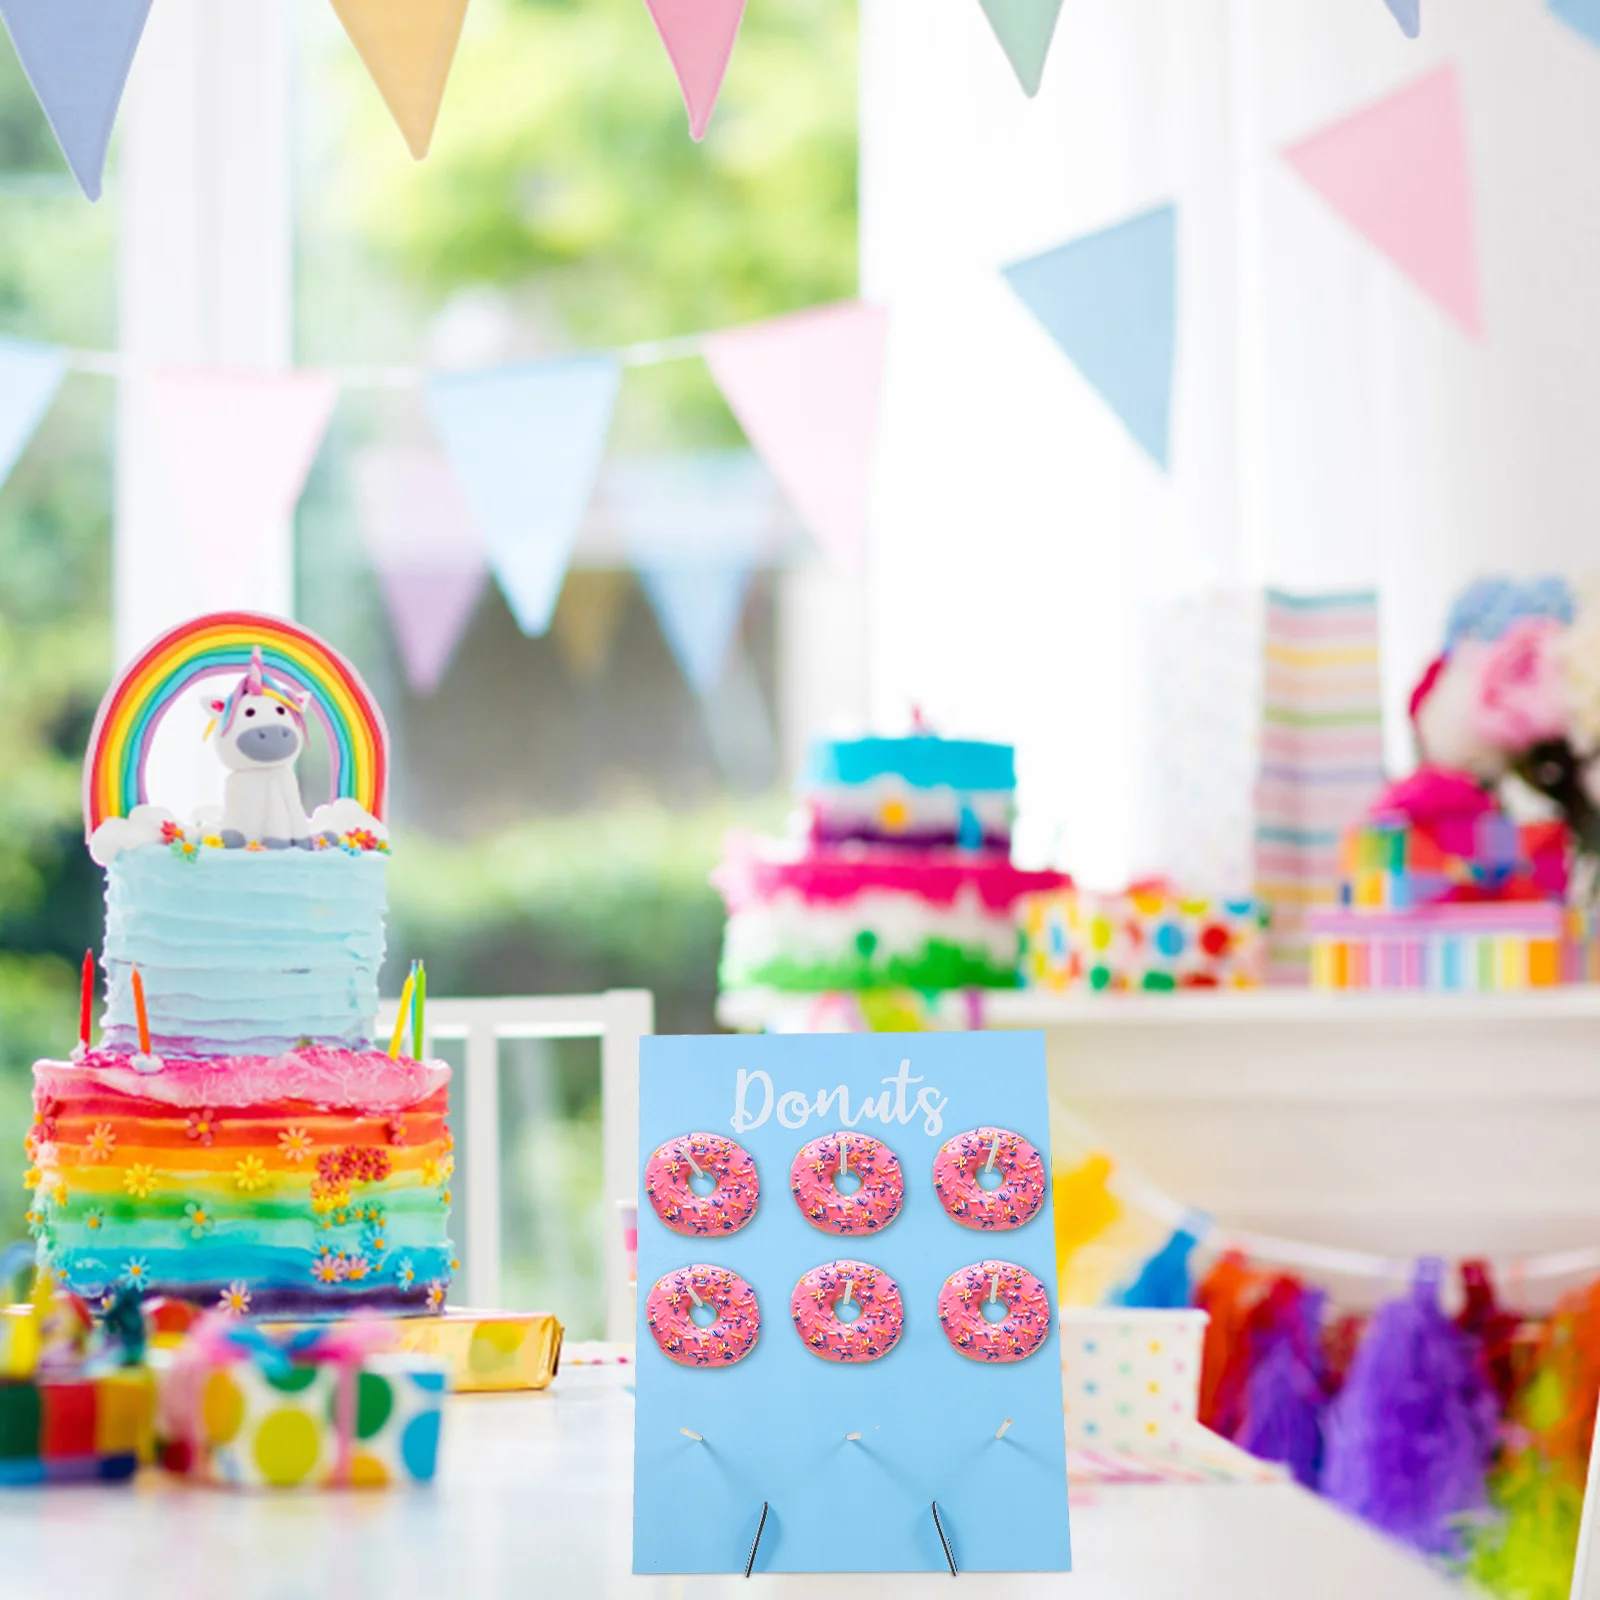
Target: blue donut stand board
(773,1427)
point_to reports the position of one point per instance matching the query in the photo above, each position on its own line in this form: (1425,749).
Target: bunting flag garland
(1582,15)
(427,552)
(1408,13)
(77,54)
(409,50)
(1025,29)
(1397,171)
(527,442)
(699,36)
(30,374)
(806,390)
(237,448)
(1110,301)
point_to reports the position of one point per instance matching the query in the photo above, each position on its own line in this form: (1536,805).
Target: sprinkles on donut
(872,1335)
(731,1203)
(669,1314)
(1025,1326)
(867,1209)
(958,1172)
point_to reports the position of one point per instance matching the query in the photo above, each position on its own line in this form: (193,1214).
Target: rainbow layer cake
(921,792)
(810,923)
(899,878)
(235,1138)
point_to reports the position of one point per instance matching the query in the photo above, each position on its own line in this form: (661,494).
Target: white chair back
(619,1018)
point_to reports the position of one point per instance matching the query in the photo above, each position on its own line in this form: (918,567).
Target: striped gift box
(1321,757)
(1467,948)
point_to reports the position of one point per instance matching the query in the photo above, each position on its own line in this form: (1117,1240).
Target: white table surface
(534,1499)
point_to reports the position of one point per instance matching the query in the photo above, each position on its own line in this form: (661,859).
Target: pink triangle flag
(427,550)
(237,447)
(699,37)
(1397,171)
(805,389)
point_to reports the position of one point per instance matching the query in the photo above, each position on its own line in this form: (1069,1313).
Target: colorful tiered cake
(901,879)
(235,1138)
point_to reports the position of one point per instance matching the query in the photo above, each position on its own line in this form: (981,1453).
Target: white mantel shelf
(751,1010)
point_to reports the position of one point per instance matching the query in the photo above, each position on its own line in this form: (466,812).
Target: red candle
(86,1004)
(139,1011)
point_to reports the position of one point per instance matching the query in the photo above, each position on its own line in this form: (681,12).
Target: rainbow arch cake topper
(207,647)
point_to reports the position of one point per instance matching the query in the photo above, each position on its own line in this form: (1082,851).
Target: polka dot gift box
(314,1410)
(1131,1379)
(1148,938)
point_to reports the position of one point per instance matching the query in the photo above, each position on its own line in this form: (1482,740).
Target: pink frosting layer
(752,875)
(354,1080)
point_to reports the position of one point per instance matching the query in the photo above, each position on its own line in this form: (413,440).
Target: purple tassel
(1285,1392)
(1412,1432)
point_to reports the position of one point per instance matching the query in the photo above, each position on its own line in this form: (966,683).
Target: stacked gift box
(1442,890)
(1149,938)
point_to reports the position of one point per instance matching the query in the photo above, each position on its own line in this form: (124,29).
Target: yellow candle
(400,1021)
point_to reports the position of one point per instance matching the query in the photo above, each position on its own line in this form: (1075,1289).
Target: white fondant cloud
(345,816)
(142,825)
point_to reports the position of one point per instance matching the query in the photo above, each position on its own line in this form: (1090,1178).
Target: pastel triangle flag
(1110,301)
(1024,29)
(1584,15)
(408,47)
(77,54)
(699,36)
(237,447)
(1397,172)
(698,606)
(527,442)
(1408,13)
(427,551)
(806,390)
(687,522)
(30,374)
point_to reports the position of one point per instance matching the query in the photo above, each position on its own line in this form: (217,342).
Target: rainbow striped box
(1482,947)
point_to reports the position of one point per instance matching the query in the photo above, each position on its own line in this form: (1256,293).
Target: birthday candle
(400,1019)
(141,1013)
(86,1002)
(419,998)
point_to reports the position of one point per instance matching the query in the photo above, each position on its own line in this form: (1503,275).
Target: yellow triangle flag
(408,46)
(1085,1206)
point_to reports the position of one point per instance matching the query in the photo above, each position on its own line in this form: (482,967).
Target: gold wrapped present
(488,1352)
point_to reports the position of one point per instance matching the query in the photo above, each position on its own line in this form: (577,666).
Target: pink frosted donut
(1022,1179)
(1027,1320)
(730,1338)
(873,1334)
(730,1204)
(874,1205)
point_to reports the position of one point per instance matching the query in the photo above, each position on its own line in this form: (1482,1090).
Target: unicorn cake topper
(258,733)
(278,677)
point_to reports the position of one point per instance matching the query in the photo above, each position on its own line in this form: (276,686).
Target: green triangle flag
(1025,29)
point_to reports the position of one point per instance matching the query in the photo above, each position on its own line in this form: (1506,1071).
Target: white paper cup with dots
(1130,1379)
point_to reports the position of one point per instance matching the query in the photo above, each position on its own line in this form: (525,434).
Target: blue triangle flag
(695,526)
(1408,13)
(1110,301)
(1024,29)
(1584,15)
(76,54)
(698,605)
(526,443)
(30,374)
